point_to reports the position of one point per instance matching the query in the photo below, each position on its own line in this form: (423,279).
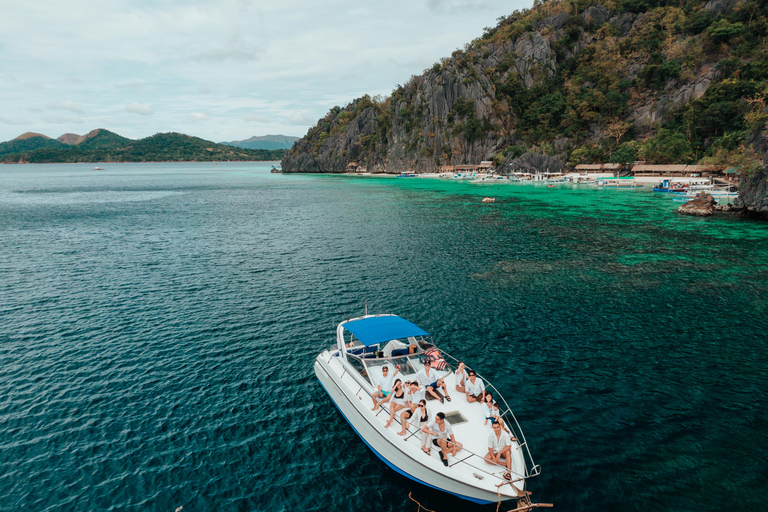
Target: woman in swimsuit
(418,419)
(397,402)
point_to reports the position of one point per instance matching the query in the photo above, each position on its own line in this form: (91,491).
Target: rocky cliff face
(753,194)
(576,84)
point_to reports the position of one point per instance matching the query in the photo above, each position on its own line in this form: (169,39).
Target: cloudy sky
(223,70)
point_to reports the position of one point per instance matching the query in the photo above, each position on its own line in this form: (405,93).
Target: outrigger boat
(350,370)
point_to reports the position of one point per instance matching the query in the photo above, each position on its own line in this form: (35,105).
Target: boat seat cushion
(399,352)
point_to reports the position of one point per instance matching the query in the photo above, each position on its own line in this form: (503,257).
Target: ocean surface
(159,323)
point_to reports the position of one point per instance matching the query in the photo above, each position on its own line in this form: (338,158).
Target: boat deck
(467,420)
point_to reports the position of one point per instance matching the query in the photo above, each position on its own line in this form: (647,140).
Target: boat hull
(353,408)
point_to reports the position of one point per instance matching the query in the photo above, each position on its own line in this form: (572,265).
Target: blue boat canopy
(379,329)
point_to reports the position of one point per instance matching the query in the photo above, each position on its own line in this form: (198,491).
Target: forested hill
(105,146)
(666,81)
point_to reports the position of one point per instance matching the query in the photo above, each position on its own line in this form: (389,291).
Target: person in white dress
(460,376)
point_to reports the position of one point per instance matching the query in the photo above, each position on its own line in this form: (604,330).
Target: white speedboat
(349,374)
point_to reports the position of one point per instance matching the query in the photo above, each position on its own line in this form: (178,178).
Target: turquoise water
(159,322)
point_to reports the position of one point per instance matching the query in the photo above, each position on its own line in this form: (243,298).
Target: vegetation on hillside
(162,147)
(21,145)
(665,81)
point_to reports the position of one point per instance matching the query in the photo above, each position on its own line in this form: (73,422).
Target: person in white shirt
(431,381)
(488,408)
(444,438)
(417,419)
(383,386)
(500,447)
(413,394)
(460,377)
(475,388)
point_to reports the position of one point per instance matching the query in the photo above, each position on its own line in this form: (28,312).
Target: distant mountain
(28,142)
(94,139)
(265,142)
(104,146)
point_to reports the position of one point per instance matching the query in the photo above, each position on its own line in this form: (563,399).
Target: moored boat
(668,186)
(349,375)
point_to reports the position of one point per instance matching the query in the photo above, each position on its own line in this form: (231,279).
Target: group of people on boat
(410,399)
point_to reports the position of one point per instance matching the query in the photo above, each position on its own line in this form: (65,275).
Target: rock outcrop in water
(703,205)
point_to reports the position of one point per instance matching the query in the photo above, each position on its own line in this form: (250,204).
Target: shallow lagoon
(158,325)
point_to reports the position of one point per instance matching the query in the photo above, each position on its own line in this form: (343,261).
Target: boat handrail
(413,431)
(471,455)
(506,413)
(534,470)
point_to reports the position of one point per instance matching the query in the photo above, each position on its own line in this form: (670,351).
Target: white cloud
(197,116)
(457,5)
(14,121)
(69,105)
(252,118)
(219,69)
(138,108)
(303,117)
(235,49)
(62,119)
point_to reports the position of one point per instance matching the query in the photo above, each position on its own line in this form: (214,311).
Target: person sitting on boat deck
(461,376)
(413,395)
(417,419)
(475,388)
(431,381)
(444,438)
(398,401)
(488,408)
(384,385)
(497,418)
(500,447)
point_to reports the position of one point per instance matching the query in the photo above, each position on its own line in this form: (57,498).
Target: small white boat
(350,375)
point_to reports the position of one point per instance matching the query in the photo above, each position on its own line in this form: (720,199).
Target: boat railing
(506,413)
(531,468)
(465,456)
(469,458)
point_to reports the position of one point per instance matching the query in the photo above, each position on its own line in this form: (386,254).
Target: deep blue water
(159,322)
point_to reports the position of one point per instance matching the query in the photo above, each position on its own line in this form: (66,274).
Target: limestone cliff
(578,81)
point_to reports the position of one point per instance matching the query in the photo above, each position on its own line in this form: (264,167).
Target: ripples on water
(158,326)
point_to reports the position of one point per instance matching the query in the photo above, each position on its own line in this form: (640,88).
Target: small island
(105,146)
